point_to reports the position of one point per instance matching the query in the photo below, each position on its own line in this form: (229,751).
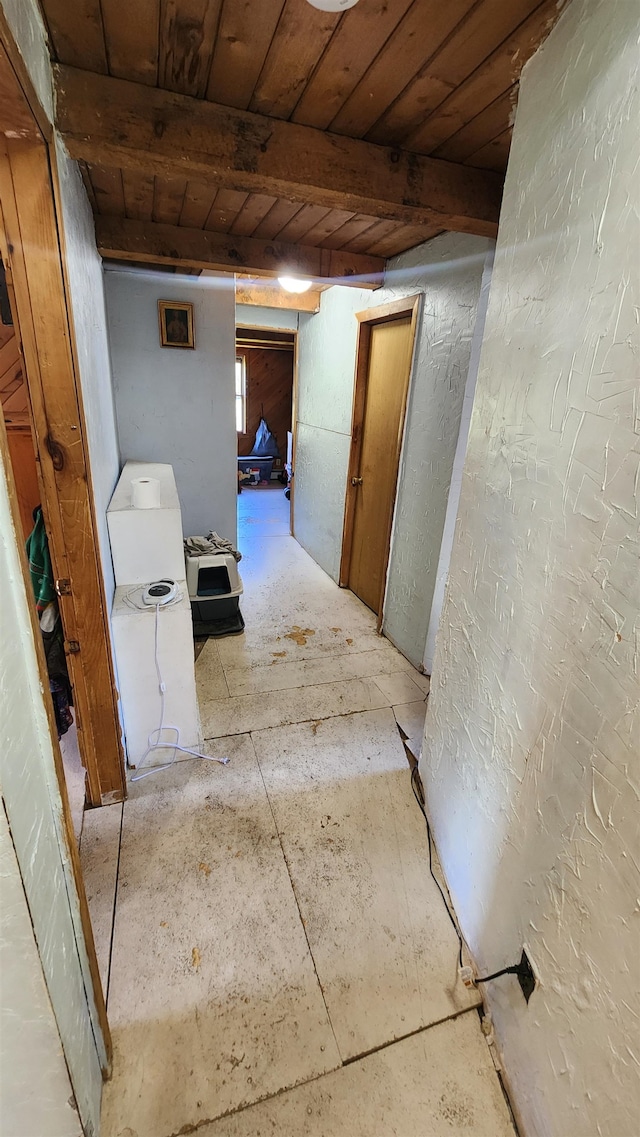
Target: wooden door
(374,481)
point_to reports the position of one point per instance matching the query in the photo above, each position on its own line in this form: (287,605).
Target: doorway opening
(386,340)
(265,395)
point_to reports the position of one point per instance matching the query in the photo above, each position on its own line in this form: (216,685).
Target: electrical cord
(158,732)
(418,793)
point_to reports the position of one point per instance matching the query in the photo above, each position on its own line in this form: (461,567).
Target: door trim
(383,314)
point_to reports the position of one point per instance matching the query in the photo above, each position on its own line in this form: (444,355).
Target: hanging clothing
(44,591)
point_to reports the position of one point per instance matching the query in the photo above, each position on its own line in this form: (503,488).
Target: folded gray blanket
(212,543)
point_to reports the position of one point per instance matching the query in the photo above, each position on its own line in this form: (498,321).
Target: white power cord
(158,744)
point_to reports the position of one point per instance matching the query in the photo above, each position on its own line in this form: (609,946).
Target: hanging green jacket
(40,563)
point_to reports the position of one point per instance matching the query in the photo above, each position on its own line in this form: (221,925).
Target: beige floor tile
(99,851)
(278,708)
(209,673)
(355,843)
(399,688)
(423,681)
(214,1002)
(439,1083)
(282,676)
(410,718)
(264,645)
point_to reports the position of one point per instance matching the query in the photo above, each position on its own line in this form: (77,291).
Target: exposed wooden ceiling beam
(113,122)
(261,293)
(151,243)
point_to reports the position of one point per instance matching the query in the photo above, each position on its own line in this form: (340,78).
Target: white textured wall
(34,809)
(448,270)
(30,1050)
(173,404)
(326,367)
(84,270)
(280,318)
(530,758)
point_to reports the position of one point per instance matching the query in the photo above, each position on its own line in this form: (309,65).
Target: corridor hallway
(281,961)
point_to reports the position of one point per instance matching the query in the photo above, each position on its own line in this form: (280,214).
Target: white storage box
(146,544)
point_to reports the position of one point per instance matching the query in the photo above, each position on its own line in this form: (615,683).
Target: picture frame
(176,323)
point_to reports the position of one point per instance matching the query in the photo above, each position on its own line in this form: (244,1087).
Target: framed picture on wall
(176,323)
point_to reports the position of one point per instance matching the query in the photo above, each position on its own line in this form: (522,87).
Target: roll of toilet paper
(145,493)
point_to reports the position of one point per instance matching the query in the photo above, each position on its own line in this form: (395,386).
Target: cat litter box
(215,588)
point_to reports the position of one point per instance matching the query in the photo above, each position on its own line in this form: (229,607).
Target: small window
(241,395)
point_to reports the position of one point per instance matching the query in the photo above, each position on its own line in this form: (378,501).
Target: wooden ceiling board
(278,216)
(187,33)
(329,224)
(482,129)
(475,37)
(77,34)
(371,236)
(495,76)
(425,26)
(108,190)
(361,34)
(168,198)
(131,39)
(226,207)
(402,238)
(138,192)
(299,40)
(348,232)
(304,220)
(495,155)
(254,210)
(244,37)
(198,199)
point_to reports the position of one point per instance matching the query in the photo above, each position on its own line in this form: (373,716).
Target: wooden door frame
(408,307)
(31,249)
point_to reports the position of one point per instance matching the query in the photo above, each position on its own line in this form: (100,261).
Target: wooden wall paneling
(495,76)
(269,394)
(147,242)
(168,196)
(278,216)
(196,207)
(25,473)
(254,210)
(244,36)
(226,207)
(35,262)
(495,155)
(108,190)
(249,153)
(300,38)
(480,130)
(362,33)
(138,190)
(131,39)
(187,35)
(401,57)
(484,27)
(77,33)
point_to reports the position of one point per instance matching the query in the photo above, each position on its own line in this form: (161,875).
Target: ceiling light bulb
(333,5)
(294,284)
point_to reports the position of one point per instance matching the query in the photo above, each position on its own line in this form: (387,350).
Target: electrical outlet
(526,976)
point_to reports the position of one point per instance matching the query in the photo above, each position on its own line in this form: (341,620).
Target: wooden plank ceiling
(432,77)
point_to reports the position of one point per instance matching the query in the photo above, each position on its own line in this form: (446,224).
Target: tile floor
(280,959)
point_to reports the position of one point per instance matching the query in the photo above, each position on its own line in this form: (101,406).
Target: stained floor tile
(439,1083)
(355,843)
(410,718)
(279,675)
(213,1000)
(277,708)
